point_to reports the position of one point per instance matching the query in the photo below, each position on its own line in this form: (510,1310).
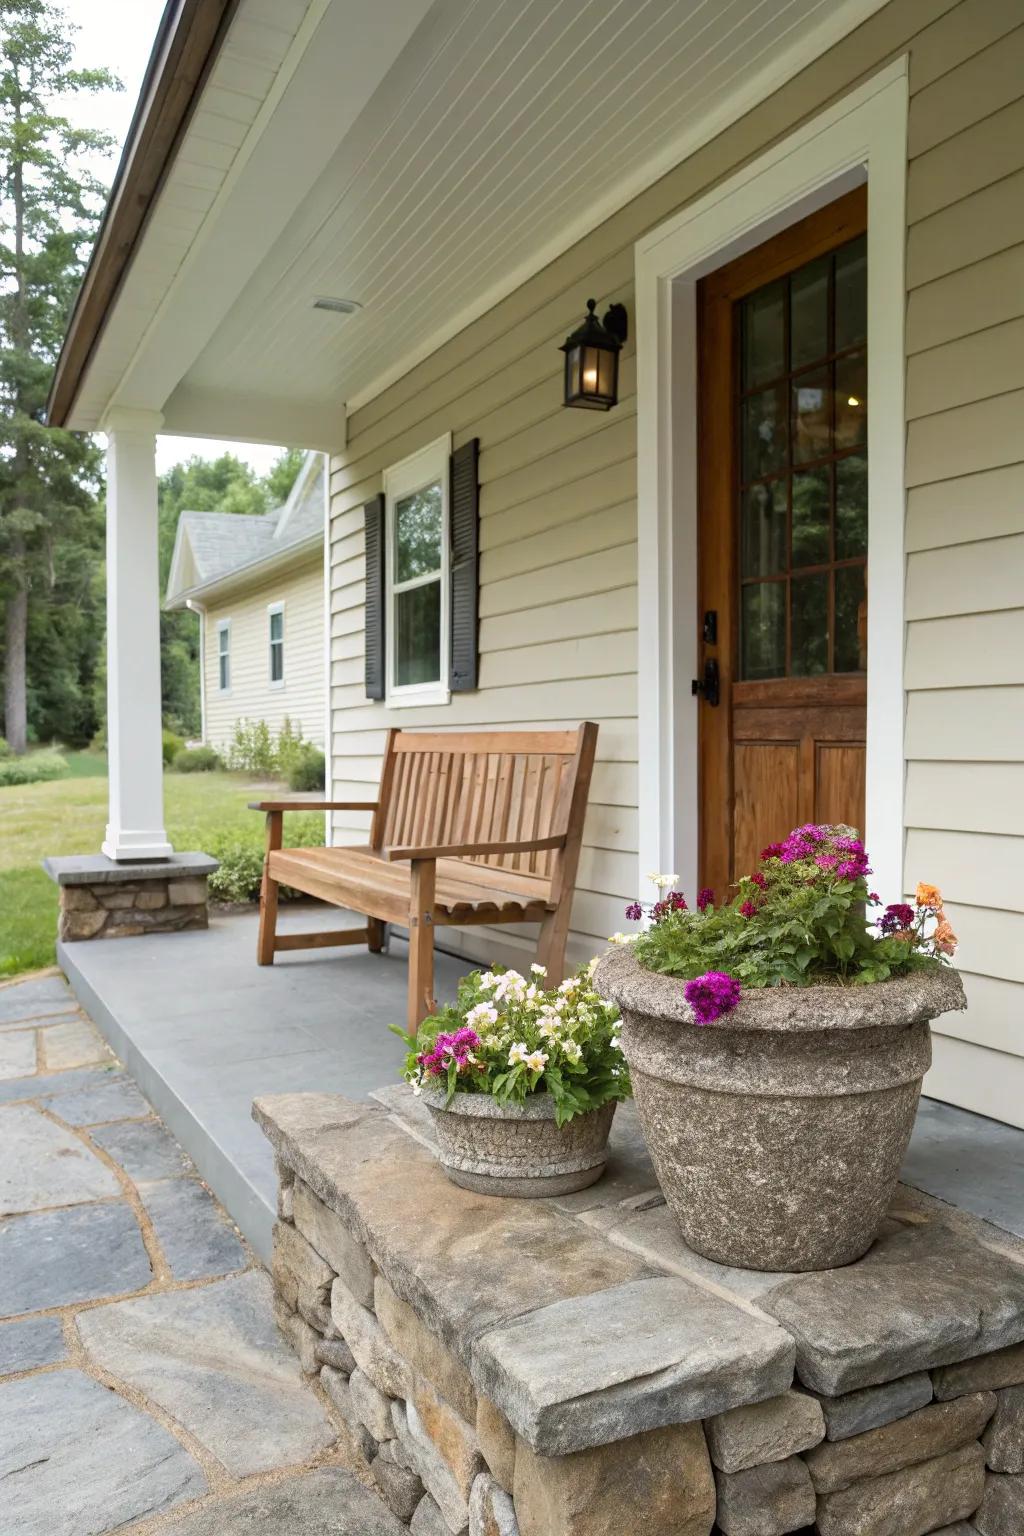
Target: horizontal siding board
(590,534)
(991,943)
(965,578)
(961,33)
(975,367)
(581,577)
(595,656)
(970,650)
(975,158)
(988,1082)
(979,86)
(974,869)
(984,725)
(596,613)
(966,508)
(968,231)
(966,796)
(963,441)
(981,295)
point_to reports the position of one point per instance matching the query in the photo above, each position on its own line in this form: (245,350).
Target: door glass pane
(851,400)
(418,638)
(764,434)
(764,333)
(763,528)
(851,507)
(809,625)
(418,533)
(851,620)
(812,410)
(811,541)
(851,294)
(763,626)
(808,323)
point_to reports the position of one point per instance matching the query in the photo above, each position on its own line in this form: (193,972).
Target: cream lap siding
(301,699)
(965,542)
(558,601)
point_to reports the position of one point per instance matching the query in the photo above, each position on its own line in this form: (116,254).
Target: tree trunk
(15,702)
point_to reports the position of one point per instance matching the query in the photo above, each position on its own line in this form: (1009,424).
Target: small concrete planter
(518,1149)
(778,1132)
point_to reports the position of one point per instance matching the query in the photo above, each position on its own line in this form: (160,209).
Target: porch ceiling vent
(592,359)
(337,306)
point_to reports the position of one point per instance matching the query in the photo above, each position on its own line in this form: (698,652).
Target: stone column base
(100,899)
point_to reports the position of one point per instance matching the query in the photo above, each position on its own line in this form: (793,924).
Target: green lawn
(69,816)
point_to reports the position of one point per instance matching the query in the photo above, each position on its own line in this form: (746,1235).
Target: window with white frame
(275,632)
(417,576)
(224,655)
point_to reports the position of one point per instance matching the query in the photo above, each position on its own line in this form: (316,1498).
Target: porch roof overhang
(423,158)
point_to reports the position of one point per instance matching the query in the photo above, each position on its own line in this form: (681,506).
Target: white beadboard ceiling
(422,158)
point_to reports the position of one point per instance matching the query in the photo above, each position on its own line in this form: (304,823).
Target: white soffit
(501,132)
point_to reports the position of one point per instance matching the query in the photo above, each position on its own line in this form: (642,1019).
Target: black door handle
(707,686)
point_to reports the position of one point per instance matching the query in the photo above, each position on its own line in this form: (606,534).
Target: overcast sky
(118,35)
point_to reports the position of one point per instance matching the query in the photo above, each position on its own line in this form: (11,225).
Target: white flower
(608,1005)
(512,985)
(549,1030)
(417,1090)
(573,1050)
(517,1054)
(537,1061)
(483,1013)
(614,1043)
(623,938)
(592,967)
(663,882)
(539,970)
(568,985)
(532,993)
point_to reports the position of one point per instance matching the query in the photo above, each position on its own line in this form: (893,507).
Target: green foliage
(252,748)
(309,771)
(282,475)
(5,750)
(196,760)
(33,768)
(172,745)
(241,857)
(508,1037)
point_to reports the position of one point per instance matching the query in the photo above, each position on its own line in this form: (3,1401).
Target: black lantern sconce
(592,359)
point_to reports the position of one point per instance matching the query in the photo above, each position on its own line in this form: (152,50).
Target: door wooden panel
(783,538)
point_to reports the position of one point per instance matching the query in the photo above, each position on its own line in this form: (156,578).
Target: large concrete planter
(518,1149)
(777,1133)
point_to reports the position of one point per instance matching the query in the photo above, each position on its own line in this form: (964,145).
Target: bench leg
(268,920)
(554,931)
(421,944)
(375,935)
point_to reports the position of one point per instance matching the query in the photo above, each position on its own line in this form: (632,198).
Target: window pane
(811,411)
(763,525)
(418,533)
(225,670)
(811,542)
(852,294)
(277,626)
(808,322)
(764,434)
(851,507)
(418,637)
(764,335)
(851,400)
(277,662)
(809,625)
(763,624)
(851,620)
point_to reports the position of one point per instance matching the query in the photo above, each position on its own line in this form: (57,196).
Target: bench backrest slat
(488,786)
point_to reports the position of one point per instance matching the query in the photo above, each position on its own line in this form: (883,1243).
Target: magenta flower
(773,851)
(896,917)
(705,899)
(448,1048)
(711,995)
(747,910)
(759,880)
(634,912)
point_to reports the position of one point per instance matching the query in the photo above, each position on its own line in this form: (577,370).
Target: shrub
(308,771)
(5,750)
(196,760)
(240,872)
(252,748)
(172,745)
(289,748)
(34,768)
(803,917)
(507,1037)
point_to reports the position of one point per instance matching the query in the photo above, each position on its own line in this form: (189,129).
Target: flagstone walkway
(144,1387)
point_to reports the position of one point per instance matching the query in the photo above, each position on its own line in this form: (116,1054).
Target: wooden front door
(783,539)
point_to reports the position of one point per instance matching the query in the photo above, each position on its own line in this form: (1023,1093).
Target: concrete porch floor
(204,1030)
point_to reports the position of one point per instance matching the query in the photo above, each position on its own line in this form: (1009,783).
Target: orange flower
(928,896)
(944,938)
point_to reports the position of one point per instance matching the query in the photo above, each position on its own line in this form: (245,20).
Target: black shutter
(465,578)
(373,518)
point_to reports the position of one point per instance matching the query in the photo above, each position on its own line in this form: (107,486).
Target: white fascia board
(320,425)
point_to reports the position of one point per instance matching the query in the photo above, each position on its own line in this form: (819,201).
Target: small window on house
(275,619)
(417,576)
(224,655)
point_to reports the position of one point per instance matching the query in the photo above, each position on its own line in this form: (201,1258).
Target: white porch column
(136,826)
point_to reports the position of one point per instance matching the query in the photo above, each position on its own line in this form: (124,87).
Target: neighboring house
(373,233)
(257,587)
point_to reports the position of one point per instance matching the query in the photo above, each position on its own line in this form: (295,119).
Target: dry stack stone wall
(497,1382)
(103,900)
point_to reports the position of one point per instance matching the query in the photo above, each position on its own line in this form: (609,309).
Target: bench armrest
(313,805)
(461,850)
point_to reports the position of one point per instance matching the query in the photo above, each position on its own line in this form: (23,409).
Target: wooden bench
(476,827)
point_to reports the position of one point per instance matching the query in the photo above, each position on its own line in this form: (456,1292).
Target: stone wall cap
(97,869)
(903,1000)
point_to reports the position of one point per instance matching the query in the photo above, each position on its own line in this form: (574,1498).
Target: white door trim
(863,137)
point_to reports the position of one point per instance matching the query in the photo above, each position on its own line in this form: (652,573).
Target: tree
(49,208)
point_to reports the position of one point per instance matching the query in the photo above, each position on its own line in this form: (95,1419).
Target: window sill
(418,698)
(276,686)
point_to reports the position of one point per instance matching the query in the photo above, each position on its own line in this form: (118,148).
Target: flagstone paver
(141,1371)
(43,1164)
(77,1458)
